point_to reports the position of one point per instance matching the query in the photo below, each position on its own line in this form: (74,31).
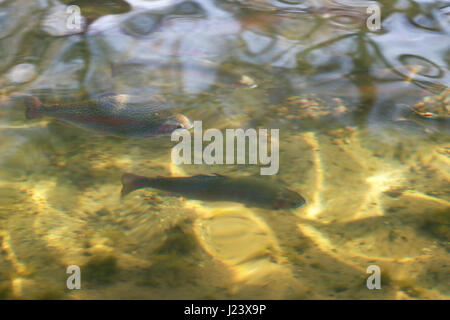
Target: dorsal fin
(202,175)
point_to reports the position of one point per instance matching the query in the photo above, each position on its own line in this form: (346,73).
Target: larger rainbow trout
(111,115)
(247,190)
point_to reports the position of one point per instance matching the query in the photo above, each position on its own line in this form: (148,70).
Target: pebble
(21,73)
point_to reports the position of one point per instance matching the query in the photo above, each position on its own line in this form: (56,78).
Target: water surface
(375,175)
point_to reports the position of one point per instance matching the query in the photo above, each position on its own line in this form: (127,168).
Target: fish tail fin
(131,182)
(33,107)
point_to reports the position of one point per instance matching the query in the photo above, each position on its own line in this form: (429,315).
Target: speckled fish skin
(248,190)
(111,115)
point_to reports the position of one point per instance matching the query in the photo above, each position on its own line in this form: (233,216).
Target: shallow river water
(363,119)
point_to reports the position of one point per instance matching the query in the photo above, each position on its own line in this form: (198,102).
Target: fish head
(174,122)
(288,199)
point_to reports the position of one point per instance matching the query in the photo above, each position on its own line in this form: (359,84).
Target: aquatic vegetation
(101,270)
(5,291)
(178,242)
(50,294)
(437,224)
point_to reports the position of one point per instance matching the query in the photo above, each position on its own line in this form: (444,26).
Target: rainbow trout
(247,190)
(110,115)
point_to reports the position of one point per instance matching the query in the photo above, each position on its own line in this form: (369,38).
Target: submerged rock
(434,106)
(23,72)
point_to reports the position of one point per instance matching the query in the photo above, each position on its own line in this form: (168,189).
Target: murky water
(364,138)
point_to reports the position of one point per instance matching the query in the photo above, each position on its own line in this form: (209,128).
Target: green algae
(100,270)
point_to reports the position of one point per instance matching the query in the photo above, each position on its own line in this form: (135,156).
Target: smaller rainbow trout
(111,115)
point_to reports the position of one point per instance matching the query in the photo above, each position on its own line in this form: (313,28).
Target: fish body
(247,190)
(111,115)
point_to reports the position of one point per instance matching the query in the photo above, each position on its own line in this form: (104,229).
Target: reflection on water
(364,138)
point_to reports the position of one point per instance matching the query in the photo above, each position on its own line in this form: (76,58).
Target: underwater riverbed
(363,118)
